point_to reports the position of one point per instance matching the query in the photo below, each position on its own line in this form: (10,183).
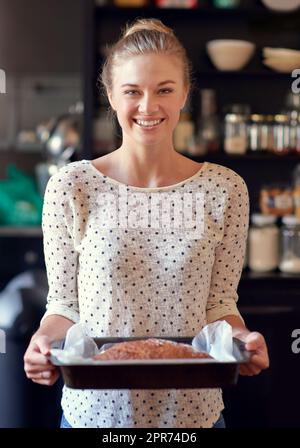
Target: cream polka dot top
(129,261)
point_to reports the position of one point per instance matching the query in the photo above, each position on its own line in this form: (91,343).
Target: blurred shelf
(254,156)
(14,231)
(277,275)
(255,11)
(257,73)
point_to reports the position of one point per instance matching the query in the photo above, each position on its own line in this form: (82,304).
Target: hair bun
(147,25)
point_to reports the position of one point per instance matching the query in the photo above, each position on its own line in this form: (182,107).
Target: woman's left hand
(259,361)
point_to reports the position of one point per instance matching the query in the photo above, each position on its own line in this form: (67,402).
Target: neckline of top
(132,187)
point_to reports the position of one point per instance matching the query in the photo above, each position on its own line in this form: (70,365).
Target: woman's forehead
(144,68)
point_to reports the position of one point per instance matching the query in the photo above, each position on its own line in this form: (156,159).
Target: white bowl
(282,5)
(282,64)
(230,54)
(269,52)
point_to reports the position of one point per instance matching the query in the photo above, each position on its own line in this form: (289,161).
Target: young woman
(125,269)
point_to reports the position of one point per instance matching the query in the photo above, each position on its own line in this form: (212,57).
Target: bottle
(104,133)
(296,190)
(254,132)
(209,128)
(290,245)
(292,110)
(184,131)
(267,133)
(281,134)
(263,243)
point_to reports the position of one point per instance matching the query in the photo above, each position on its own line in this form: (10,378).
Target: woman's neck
(148,168)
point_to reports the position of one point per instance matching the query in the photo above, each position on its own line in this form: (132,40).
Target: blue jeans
(64,422)
(220,423)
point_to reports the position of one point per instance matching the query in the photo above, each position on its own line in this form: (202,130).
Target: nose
(148,104)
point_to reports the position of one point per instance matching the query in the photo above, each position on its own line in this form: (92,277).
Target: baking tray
(153,374)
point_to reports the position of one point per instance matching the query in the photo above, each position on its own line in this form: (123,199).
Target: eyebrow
(160,84)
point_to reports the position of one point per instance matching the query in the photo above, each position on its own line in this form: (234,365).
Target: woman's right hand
(37,366)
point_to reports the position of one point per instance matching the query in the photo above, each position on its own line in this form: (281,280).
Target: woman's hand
(255,342)
(37,366)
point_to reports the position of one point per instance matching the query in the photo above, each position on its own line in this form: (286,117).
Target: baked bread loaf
(150,349)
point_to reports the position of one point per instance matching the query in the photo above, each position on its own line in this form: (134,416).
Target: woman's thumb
(253,341)
(43,343)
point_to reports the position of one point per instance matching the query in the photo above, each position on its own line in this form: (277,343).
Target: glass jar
(290,245)
(235,134)
(254,132)
(261,132)
(263,243)
(276,199)
(267,133)
(281,134)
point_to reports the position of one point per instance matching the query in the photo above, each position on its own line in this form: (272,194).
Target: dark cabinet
(23,403)
(20,253)
(269,304)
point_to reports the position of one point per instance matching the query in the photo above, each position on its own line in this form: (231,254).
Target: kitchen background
(244,113)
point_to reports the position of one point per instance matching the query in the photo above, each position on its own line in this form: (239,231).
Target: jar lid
(291,220)
(234,118)
(259,219)
(257,118)
(281,118)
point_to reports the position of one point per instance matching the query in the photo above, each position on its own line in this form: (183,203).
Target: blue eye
(130,92)
(166,90)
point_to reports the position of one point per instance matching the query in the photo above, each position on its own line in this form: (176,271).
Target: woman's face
(147,95)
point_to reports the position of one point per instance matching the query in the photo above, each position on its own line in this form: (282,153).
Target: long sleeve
(60,256)
(229,254)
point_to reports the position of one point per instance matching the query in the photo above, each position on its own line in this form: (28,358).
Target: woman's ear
(110,99)
(185,95)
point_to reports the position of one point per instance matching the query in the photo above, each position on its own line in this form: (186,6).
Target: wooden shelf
(15,231)
(248,157)
(277,275)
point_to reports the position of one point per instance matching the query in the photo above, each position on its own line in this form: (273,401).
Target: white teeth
(148,123)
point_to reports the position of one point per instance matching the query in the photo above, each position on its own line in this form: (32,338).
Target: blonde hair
(144,36)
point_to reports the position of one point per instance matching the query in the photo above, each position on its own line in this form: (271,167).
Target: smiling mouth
(148,123)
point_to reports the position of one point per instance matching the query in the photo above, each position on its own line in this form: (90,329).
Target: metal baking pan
(153,374)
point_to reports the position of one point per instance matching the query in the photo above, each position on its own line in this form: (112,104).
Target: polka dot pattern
(142,279)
